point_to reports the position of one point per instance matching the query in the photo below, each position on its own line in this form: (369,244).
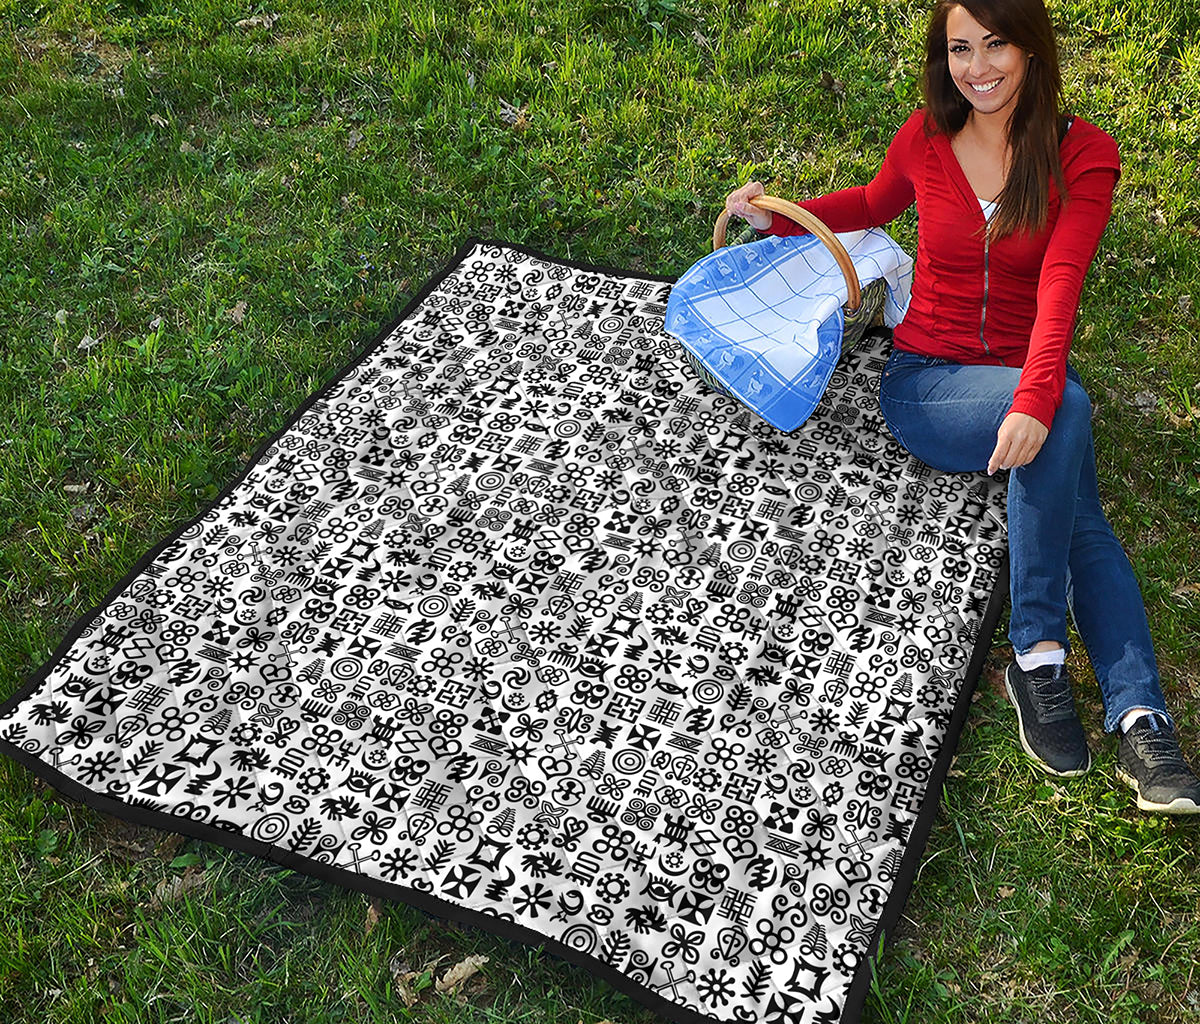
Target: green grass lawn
(202,221)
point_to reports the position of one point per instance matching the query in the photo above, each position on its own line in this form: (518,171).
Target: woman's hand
(1018,440)
(737,204)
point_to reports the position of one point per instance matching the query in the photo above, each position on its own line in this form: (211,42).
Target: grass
(203,221)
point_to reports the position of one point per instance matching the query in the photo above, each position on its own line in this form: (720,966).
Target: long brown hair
(1037,123)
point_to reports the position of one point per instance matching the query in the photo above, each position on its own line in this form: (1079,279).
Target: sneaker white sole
(1180,805)
(1025,743)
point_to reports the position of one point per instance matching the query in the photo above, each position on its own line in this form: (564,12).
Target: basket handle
(816,226)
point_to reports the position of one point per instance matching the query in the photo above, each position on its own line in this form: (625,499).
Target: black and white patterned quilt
(518,622)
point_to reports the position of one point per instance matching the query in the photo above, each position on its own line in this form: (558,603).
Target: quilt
(517,621)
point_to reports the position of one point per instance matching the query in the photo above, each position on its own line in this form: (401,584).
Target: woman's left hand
(1018,440)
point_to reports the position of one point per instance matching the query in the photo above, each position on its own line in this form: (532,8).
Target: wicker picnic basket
(862,310)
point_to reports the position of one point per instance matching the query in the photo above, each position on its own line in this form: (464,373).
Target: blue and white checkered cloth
(765,318)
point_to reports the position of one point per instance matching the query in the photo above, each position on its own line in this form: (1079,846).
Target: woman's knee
(1072,422)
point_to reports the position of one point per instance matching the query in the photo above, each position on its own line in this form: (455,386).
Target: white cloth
(769,297)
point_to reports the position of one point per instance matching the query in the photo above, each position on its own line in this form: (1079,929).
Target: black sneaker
(1149,760)
(1051,732)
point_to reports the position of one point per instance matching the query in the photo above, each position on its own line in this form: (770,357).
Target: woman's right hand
(737,203)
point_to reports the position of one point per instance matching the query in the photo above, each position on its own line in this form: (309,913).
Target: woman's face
(979,57)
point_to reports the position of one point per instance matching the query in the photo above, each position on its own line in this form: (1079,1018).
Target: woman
(1012,198)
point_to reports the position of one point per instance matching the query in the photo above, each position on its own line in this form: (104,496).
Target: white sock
(1130,717)
(1028,662)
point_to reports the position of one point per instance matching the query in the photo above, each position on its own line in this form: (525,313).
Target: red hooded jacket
(1010,302)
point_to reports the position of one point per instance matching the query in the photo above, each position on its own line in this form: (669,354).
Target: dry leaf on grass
(411,983)
(374,913)
(170,889)
(401,972)
(1146,401)
(404,987)
(257,21)
(238,313)
(515,116)
(403,975)
(1005,891)
(460,972)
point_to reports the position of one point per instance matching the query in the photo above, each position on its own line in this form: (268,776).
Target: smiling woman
(978,378)
(996,88)
(989,71)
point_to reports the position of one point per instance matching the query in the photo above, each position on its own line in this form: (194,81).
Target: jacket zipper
(983,311)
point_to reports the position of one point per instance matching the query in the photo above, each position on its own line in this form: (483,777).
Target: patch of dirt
(994,667)
(85,54)
(124,840)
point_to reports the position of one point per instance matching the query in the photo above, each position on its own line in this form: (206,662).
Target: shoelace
(1159,748)
(1052,694)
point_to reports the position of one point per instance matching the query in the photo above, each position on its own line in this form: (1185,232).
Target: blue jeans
(1063,554)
